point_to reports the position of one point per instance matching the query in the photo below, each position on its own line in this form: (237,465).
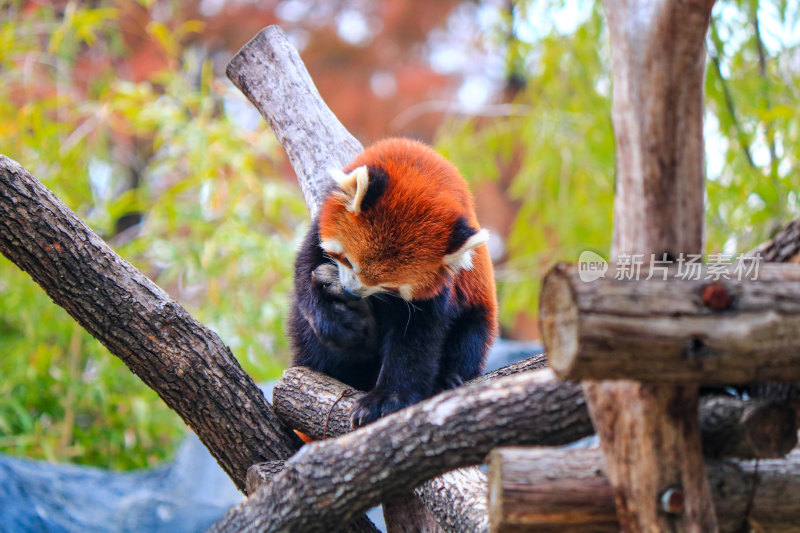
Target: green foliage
(752,94)
(217,232)
(562,144)
(564,140)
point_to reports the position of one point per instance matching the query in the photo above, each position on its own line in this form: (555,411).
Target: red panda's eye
(342,259)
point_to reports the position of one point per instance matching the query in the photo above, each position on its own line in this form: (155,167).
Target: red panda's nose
(350,294)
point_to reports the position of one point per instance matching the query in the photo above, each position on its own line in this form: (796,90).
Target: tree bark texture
(724,331)
(307,401)
(649,432)
(784,247)
(319,406)
(545,489)
(186,363)
(407,514)
(269,71)
(329,481)
(766,430)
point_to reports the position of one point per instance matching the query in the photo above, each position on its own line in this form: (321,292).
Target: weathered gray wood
(261,473)
(458,500)
(545,489)
(307,400)
(674,330)
(330,481)
(320,407)
(649,433)
(186,363)
(269,71)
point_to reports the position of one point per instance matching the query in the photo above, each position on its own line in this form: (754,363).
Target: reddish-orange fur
(406,237)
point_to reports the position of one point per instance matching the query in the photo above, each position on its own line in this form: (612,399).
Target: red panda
(394,288)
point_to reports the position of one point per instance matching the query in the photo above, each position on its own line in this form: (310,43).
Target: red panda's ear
(463,241)
(353,187)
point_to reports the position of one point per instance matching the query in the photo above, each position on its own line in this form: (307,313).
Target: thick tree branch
(186,363)
(539,489)
(269,71)
(330,481)
(320,407)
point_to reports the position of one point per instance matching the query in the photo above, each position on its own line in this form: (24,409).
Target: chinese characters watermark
(592,266)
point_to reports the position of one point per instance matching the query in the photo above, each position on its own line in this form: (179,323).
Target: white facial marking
(348,279)
(462,258)
(406,291)
(332,246)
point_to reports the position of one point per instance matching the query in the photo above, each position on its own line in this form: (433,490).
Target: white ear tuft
(462,258)
(362,184)
(353,185)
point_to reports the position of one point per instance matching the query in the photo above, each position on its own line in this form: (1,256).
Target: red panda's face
(396,228)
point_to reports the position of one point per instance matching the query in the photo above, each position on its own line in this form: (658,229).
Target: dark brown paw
(376,404)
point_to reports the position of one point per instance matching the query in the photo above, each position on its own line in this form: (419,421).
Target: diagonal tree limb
(330,481)
(269,71)
(320,407)
(186,363)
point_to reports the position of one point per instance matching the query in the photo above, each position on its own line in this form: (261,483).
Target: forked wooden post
(649,432)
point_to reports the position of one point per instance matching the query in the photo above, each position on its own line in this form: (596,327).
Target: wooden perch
(328,482)
(674,330)
(545,489)
(319,406)
(183,361)
(269,71)
(649,433)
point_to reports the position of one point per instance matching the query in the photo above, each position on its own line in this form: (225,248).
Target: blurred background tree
(122,108)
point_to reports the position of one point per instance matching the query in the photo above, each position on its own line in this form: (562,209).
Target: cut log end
(558,318)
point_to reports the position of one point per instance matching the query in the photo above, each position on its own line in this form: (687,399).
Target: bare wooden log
(320,406)
(649,432)
(269,71)
(765,430)
(545,489)
(329,481)
(680,329)
(262,473)
(186,363)
(308,401)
